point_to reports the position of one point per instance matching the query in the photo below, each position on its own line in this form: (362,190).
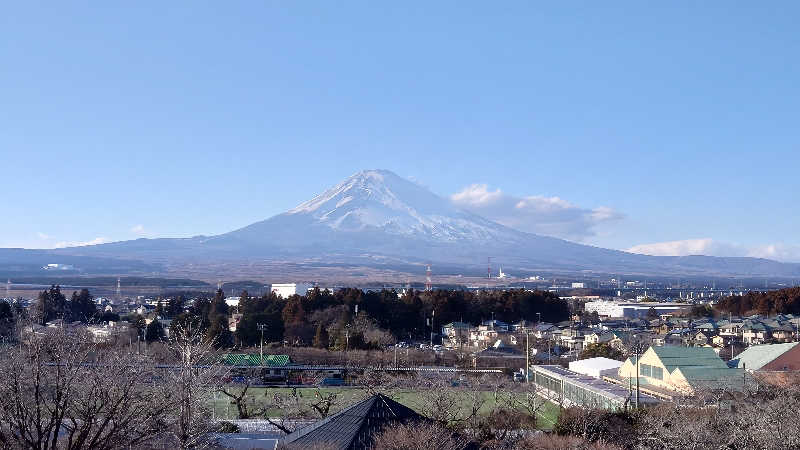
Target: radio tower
(119,288)
(428,285)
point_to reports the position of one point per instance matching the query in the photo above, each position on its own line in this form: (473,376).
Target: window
(658,373)
(644,370)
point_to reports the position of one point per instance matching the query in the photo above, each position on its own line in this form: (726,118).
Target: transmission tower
(119,288)
(428,282)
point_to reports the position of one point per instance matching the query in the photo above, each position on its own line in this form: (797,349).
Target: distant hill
(375,217)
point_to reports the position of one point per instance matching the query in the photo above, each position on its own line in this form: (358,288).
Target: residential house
(598,338)
(701,338)
(731,329)
(495,324)
(783,332)
(572,338)
(456,334)
(754,333)
(544,330)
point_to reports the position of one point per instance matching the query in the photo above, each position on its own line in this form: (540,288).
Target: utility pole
(638,350)
(433,315)
(262,327)
(527,358)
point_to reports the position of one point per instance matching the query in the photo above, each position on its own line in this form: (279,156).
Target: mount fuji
(378,217)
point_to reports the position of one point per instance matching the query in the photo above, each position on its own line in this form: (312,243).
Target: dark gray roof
(353,427)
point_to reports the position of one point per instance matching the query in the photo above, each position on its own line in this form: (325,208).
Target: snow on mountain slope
(379,200)
(377,215)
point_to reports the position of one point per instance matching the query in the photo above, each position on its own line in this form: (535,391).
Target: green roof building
(682,369)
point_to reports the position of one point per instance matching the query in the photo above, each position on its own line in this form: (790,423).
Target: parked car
(332,382)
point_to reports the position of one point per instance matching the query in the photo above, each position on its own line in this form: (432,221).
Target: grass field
(225,409)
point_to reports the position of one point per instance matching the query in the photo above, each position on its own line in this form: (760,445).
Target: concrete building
(596,367)
(632,310)
(286,290)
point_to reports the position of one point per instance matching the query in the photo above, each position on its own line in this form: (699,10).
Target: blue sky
(622,123)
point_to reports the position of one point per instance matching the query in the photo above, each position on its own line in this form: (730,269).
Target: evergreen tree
(137,321)
(51,304)
(219,332)
(82,306)
(7,319)
(154,331)
(175,306)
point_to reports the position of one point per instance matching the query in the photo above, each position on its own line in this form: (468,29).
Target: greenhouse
(573,389)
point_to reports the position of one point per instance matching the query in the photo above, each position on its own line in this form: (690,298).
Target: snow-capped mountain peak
(382,200)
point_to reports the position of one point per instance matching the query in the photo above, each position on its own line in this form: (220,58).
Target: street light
(637,348)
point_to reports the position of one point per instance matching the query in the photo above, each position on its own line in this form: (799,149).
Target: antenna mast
(119,288)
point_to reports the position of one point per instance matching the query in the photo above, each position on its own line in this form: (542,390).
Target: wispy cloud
(95,241)
(138,229)
(42,236)
(711,247)
(551,216)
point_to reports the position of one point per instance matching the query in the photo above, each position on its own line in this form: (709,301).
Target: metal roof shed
(596,367)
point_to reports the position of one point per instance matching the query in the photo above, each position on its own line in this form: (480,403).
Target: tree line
(783,301)
(352,318)
(346,318)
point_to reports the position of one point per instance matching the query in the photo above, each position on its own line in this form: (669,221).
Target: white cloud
(42,236)
(778,252)
(138,229)
(710,247)
(552,216)
(703,246)
(95,241)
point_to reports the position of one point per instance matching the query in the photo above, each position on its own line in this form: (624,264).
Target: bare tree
(239,398)
(449,405)
(419,436)
(193,379)
(60,390)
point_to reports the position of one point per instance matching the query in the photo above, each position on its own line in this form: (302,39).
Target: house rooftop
(758,356)
(354,427)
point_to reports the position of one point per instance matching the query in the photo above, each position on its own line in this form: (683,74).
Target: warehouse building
(632,310)
(686,370)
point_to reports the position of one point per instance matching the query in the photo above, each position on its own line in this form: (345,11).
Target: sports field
(258,397)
